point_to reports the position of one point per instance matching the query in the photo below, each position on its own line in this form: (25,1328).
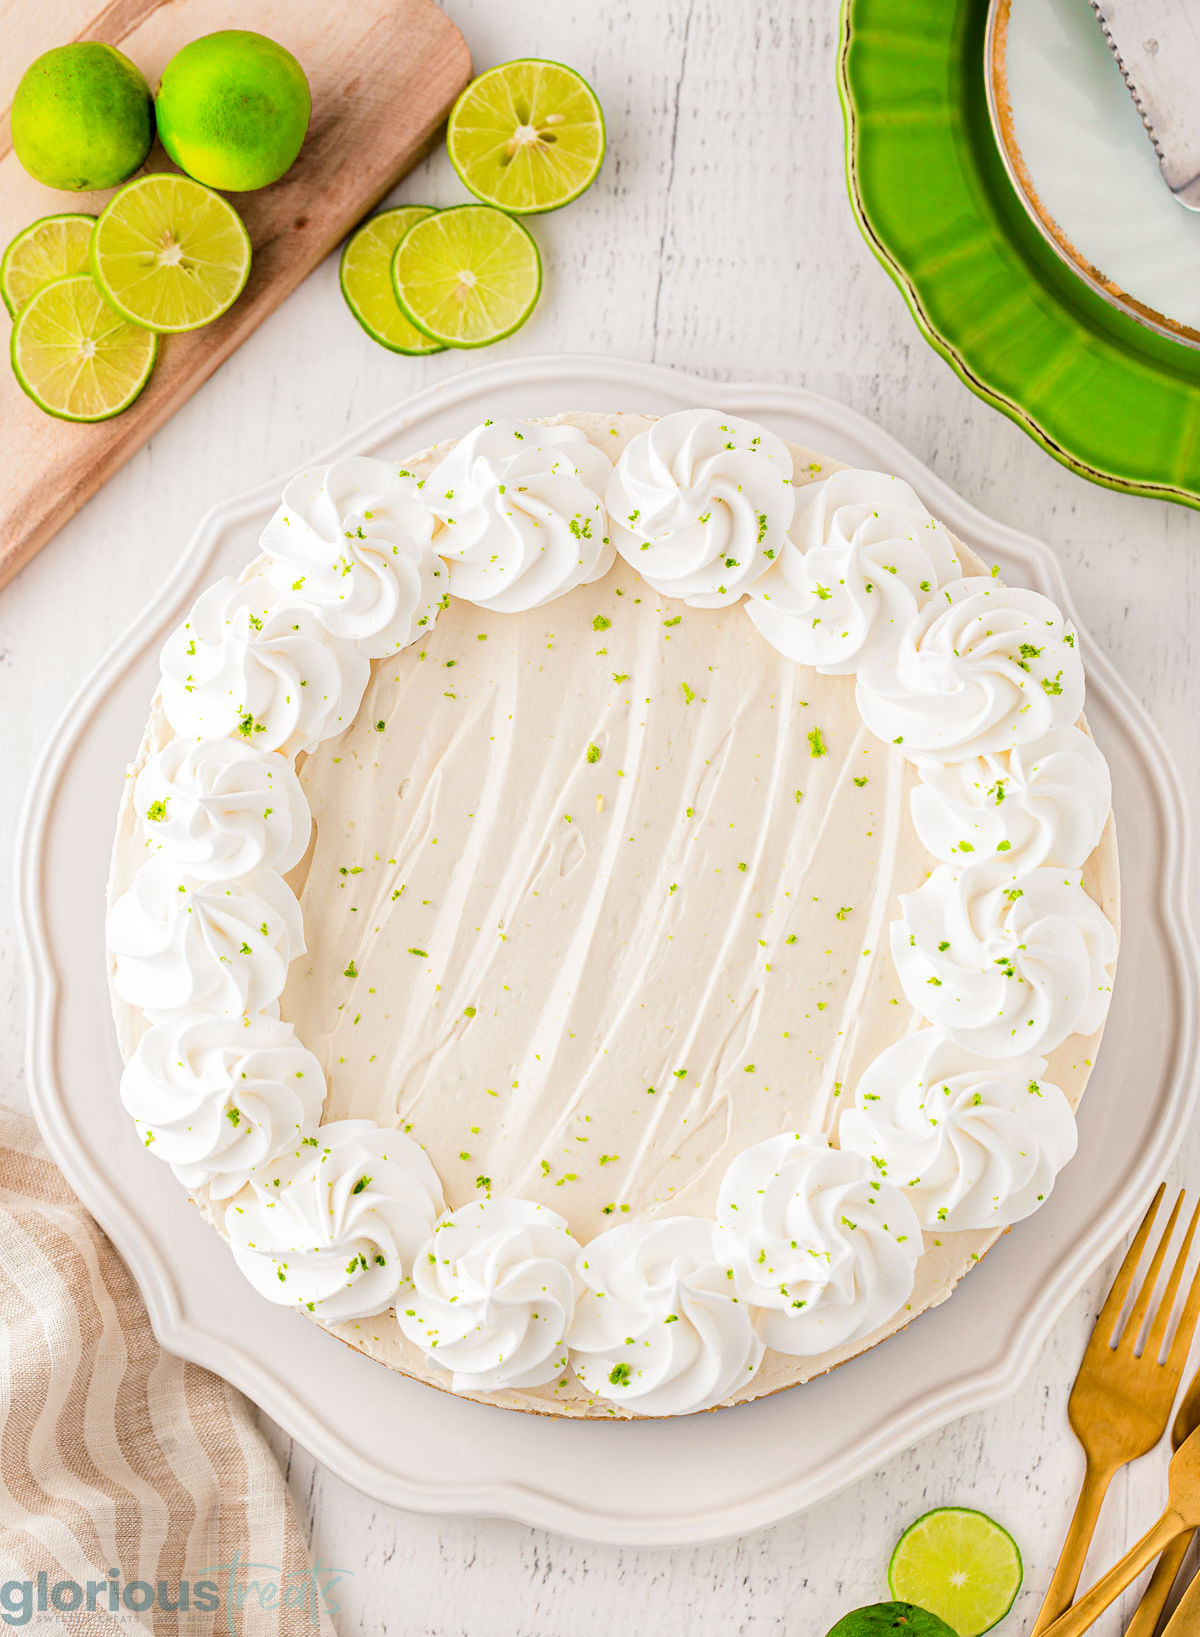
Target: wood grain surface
(383,75)
(718,238)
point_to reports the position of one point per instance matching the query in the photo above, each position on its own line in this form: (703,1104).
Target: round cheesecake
(613,916)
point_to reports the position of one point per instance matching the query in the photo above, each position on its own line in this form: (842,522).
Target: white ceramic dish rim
(578,382)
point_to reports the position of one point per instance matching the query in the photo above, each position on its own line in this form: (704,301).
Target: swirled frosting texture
(700,505)
(492,1295)
(861,557)
(1042,803)
(404,890)
(822,1249)
(972,1142)
(245,663)
(982,668)
(216,1097)
(661,1329)
(208,946)
(338,1223)
(1005,964)
(352,541)
(219,808)
(520,513)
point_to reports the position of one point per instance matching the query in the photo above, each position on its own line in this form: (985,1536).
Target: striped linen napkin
(136,1490)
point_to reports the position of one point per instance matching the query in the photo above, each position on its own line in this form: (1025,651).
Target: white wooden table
(718,239)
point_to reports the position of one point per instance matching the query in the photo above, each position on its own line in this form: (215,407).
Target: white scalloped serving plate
(669,1482)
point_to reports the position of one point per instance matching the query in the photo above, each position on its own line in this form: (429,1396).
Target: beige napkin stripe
(113,1453)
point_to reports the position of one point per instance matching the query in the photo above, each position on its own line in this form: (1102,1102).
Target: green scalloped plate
(1111,399)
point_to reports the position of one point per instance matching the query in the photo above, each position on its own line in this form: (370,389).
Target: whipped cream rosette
(983,667)
(246,663)
(353,541)
(1006,964)
(861,556)
(217,1097)
(973,1143)
(213,946)
(492,1295)
(661,1328)
(700,505)
(520,513)
(822,1249)
(220,808)
(1002,955)
(1046,802)
(338,1222)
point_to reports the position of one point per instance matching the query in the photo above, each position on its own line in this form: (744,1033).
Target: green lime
(47,249)
(83,117)
(879,1619)
(960,1565)
(170,254)
(75,357)
(467,276)
(365,276)
(527,136)
(233,109)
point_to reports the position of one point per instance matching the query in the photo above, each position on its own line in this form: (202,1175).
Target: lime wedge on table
(47,249)
(960,1565)
(468,275)
(75,357)
(365,276)
(527,136)
(170,253)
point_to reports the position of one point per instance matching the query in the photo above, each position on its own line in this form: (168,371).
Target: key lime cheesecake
(612,916)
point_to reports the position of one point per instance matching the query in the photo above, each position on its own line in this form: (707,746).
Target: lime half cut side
(467,276)
(170,253)
(960,1565)
(76,357)
(51,248)
(527,136)
(365,276)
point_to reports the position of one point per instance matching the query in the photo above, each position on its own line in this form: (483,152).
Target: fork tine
(1107,1318)
(1166,1307)
(1137,1316)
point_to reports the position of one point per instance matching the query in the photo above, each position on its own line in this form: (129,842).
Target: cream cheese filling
(598,896)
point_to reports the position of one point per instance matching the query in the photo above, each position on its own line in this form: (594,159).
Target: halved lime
(170,253)
(50,248)
(365,275)
(527,136)
(467,276)
(75,357)
(960,1565)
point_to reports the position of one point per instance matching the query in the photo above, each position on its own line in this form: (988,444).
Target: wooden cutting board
(383,74)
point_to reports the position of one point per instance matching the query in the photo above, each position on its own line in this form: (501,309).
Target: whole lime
(233,108)
(892,1619)
(83,117)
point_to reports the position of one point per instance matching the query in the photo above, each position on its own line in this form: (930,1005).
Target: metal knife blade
(1157,47)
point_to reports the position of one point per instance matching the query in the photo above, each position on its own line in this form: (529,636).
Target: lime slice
(527,136)
(959,1565)
(170,253)
(468,275)
(75,357)
(47,249)
(365,276)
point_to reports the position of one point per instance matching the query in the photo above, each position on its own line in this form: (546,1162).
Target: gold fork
(1121,1400)
(1185,1622)
(1154,1598)
(1182,1515)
